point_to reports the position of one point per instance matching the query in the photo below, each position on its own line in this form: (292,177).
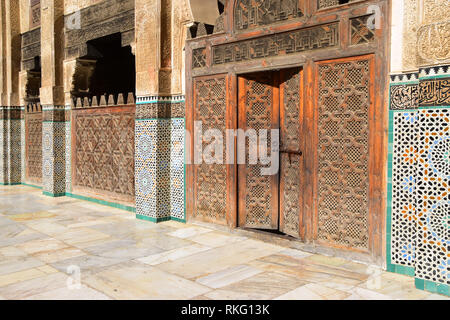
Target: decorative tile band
(436,71)
(434,92)
(404,77)
(160,111)
(11,112)
(160,99)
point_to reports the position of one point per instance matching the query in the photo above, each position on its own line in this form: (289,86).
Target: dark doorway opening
(114,68)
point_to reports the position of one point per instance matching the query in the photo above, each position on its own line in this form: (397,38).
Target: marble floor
(63,248)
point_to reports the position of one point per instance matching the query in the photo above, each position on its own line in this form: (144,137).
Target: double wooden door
(270,193)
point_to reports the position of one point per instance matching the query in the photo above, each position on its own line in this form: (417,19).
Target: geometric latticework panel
(404,215)
(211,178)
(433,195)
(343,159)
(104,152)
(34,147)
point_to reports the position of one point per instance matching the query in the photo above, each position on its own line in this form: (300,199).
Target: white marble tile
(24,289)
(139,281)
(184,233)
(82,293)
(173,255)
(228,276)
(216,239)
(365,294)
(295,253)
(15,264)
(314,291)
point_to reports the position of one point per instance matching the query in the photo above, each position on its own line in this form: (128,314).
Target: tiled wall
(159,159)
(12,133)
(54,150)
(419,177)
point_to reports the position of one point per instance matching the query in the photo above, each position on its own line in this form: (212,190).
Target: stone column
(55,125)
(12,132)
(12,127)
(159,110)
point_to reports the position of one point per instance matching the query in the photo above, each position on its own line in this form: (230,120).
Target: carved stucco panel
(410,27)
(433,43)
(435,11)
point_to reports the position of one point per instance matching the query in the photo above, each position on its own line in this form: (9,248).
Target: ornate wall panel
(418,202)
(250,14)
(53,153)
(343,155)
(433,200)
(159,165)
(318,37)
(433,179)
(103,151)
(33,123)
(402,176)
(211,179)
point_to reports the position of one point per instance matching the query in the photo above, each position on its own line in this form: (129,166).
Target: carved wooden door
(291,156)
(271,100)
(258,110)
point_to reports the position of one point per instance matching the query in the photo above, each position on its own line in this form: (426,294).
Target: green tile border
(433,107)
(155,220)
(54,195)
(10,183)
(31,185)
(432,286)
(102,202)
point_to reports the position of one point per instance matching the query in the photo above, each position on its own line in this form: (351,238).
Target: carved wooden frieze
(199,58)
(361,31)
(249,14)
(31,48)
(317,37)
(106,18)
(35,13)
(330,3)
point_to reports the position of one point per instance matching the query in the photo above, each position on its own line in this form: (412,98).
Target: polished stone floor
(63,248)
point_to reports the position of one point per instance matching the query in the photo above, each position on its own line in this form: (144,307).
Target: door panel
(343,93)
(211,180)
(258,109)
(291,157)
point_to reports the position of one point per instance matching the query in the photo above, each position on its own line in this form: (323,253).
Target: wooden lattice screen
(343,157)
